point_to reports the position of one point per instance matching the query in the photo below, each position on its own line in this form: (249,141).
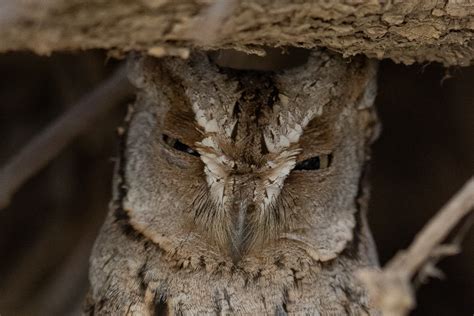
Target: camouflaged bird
(240,192)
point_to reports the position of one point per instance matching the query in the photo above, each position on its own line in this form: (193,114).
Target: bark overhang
(405,31)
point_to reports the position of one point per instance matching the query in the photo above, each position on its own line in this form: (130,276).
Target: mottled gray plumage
(240,192)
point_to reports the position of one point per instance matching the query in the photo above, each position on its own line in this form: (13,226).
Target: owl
(240,192)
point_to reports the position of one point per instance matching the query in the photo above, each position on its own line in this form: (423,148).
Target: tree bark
(405,31)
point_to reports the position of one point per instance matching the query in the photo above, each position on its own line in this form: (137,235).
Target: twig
(390,289)
(50,142)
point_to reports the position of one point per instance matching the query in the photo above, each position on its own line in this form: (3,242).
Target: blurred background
(424,155)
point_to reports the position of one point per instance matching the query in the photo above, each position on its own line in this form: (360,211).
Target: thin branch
(435,231)
(390,288)
(51,141)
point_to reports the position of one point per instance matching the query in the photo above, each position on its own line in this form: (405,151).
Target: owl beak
(240,231)
(242,206)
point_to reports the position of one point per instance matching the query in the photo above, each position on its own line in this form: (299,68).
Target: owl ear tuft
(365,104)
(367,98)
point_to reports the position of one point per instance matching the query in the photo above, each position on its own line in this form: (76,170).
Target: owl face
(238,164)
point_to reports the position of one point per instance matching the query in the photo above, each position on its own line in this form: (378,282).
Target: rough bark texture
(405,31)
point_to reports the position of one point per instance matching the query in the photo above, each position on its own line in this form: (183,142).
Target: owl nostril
(251,209)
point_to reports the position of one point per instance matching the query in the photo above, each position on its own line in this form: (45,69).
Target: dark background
(424,155)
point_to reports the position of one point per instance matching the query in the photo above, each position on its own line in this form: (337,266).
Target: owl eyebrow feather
(179,120)
(319,133)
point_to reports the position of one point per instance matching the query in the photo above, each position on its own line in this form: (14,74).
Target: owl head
(239,164)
